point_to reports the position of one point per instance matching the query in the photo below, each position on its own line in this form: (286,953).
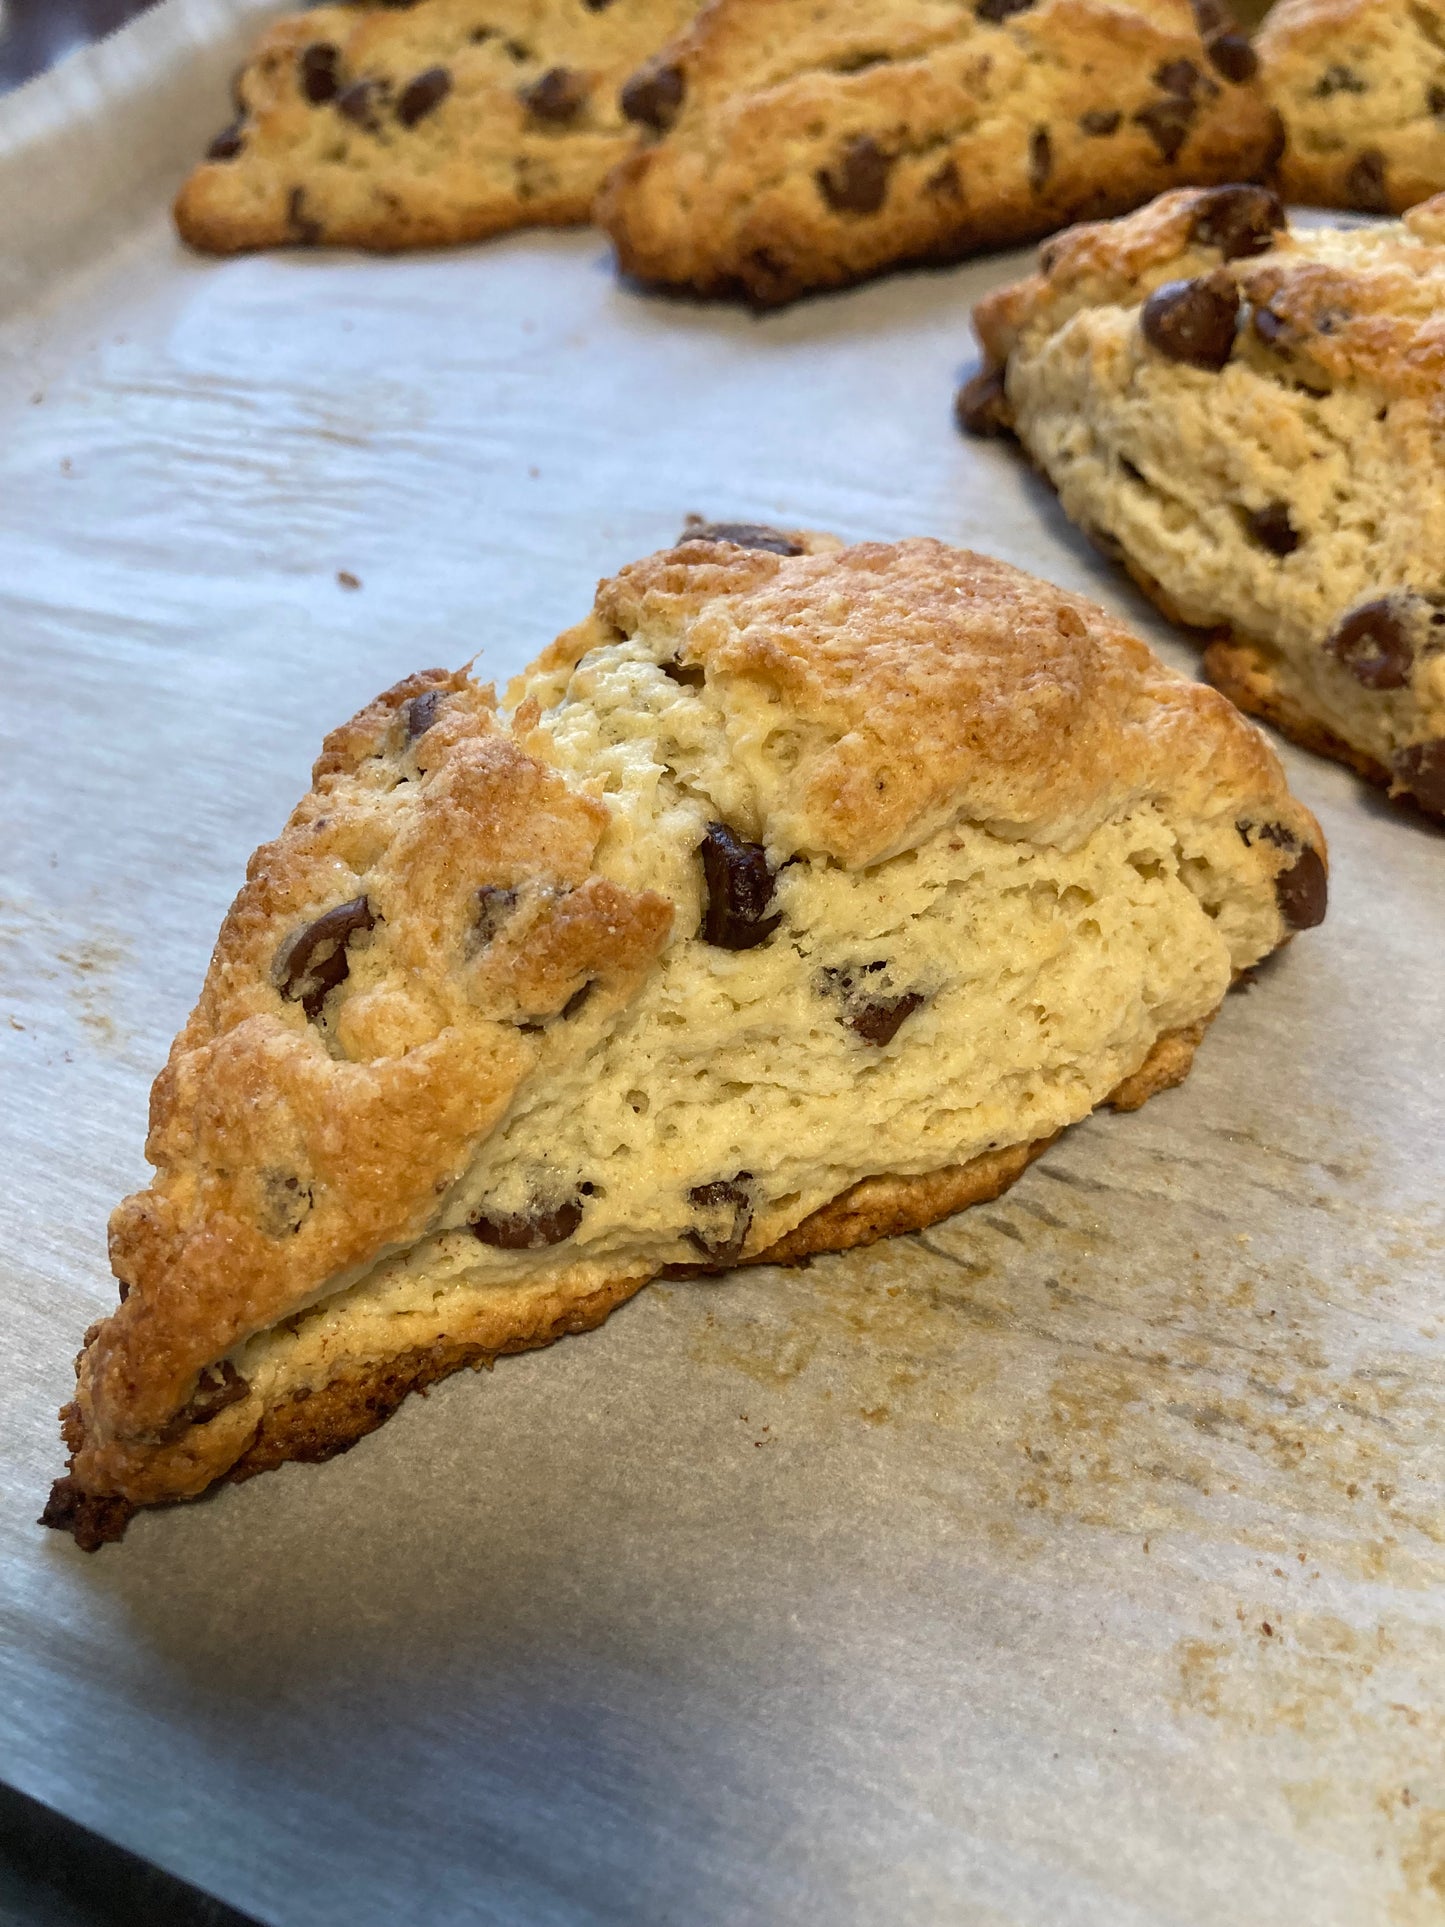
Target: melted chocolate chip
(217,1387)
(311,964)
(529,1231)
(1373,644)
(360,103)
(1167,123)
(879,1023)
(1272,528)
(1099,121)
(1420,769)
(420,712)
(1192,321)
(653,96)
(494,906)
(1365,183)
(1238,221)
(1180,77)
(743,535)
(558,96)
(739,891)
(227,144)
(304,230)
(729,1211)
(1338,79)
(1041,159)
(1231,56)
(423,95)
(857,181)
(318,71)
(981,406)
(1302,891)
(996,10)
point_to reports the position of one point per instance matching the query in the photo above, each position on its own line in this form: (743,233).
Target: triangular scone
(1252,420)
(418,126)
(809,143)
(1360,87)
(807,894)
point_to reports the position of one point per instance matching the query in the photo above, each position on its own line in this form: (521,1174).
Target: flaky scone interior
(1250,416)
(799,895)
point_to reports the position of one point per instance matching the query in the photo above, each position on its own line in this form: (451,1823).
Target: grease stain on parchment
(40,948)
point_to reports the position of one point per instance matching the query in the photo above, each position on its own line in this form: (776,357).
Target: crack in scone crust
(811,145)
(444,121)
(687,959)
(1360,88)
(1252,421)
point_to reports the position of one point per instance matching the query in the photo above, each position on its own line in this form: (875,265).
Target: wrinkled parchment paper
(1079,1561)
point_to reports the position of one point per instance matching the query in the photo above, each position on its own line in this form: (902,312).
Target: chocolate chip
(1180,77)
(529,1231)
(360,102)
(1372,643)
(1365,183)
(981,406)
(1193,321)
(729,1211)
(997,10)
(653,96)
(739,890)
(317,69)
(1041,159)
(1099,121)
(1421,770)
(1231,55)
(423,95)
(578,998)
(1275,833)
(1167,123)
(311,964)
(420,712)
(304,229)
(879,1023)
(1339,79)
(494,906)
(558,95)
(1435,100)
(857,182)
(227,144)
(743,535)
(1272,528)
(217,1387)
(1238,221)
(1302,891)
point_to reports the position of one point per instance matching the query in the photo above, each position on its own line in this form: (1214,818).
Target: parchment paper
(1079,1562)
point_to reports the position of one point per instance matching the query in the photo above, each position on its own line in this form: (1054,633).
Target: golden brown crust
(1359,85)
(878,647)
(445,121)
(292,1146)
(816,145)
(1241,670)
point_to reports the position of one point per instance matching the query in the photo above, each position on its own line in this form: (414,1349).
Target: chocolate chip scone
(689,960)
(1360,87)
(397,126)
(804,144)
(1252,420)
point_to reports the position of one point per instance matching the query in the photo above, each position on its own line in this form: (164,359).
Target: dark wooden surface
(35,33)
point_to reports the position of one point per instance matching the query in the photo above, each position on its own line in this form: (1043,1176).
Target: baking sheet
(1080,1561)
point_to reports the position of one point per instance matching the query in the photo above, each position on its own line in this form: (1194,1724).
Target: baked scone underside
(442,122)
(806,145)
(1360,87)
(821,960)
(1286,482)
